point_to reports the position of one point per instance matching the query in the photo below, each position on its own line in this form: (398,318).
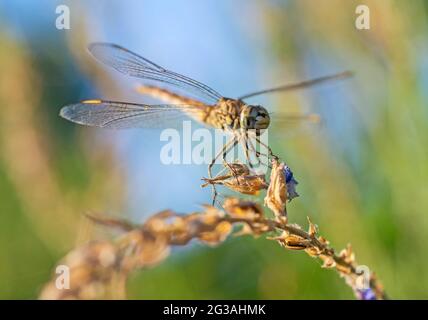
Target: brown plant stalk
(100,269)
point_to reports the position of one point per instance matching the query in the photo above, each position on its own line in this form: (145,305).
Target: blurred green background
(363,175)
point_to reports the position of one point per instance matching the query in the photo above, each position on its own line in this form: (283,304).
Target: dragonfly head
(254,117)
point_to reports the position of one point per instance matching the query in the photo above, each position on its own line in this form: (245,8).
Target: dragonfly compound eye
(254,117)
(262,118)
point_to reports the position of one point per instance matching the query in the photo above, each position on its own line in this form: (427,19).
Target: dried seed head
(246,184)
(235,169)
(240,179)
(218,235)
(93,269)
(291,241)
(328,261)
(313,229)
(238,169)
(211,215)
(276,196)
(282,188)
(237,208)
(344,269)
(159,222)
(313,251)
(149,249)
(250,213)
(347,254)
(323,240)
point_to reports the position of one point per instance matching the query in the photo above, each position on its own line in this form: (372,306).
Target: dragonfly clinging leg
(223,153)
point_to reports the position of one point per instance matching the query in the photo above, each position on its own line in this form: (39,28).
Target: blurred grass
(363,181)
(373,194)
(46,185)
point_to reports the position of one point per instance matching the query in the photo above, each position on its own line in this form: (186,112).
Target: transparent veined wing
(132,64)
(301,85)
(292,124)
(121,115)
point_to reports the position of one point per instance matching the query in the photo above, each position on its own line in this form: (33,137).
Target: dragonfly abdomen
(168,96)
(194,108)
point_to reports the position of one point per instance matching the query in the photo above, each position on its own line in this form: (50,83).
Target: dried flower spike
(100,269)
(94,273)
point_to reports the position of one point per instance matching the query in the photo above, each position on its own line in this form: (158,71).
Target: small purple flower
(366,294)
(288,174)
(291,183)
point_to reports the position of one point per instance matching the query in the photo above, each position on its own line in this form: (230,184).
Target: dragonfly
(190,98)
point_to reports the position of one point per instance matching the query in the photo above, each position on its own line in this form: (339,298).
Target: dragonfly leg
(214,190)
(227,165)
(249,144)
(267,147)
(244,144)
(245,147)
(231,169)
(259,154)
(225,150)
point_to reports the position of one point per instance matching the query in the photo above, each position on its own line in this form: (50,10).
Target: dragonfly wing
(290,125)
(301,85)
(121,115)
(134,65)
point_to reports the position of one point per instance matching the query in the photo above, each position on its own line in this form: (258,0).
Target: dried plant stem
(103,267)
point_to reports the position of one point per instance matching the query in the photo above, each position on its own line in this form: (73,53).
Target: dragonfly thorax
(254,118)
(234,114)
